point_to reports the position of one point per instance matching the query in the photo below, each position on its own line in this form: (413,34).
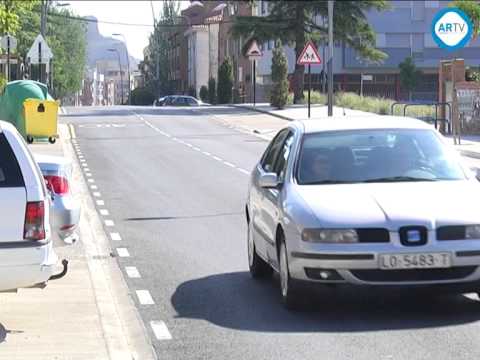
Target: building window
(432,4)
(381,40)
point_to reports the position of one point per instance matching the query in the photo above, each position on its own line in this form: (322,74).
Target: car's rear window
(10,173)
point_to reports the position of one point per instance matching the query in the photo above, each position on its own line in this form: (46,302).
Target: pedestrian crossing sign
(309,55)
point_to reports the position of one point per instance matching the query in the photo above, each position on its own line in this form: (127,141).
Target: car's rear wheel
(257,266)
(289,288)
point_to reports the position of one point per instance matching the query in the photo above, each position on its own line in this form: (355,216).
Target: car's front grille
(376,275)
(373,235)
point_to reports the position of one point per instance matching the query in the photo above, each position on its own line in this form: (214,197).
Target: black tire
(257,266)
(29,139)
(52,140)
(289,288)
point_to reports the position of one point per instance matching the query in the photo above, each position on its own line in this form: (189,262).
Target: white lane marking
(104,212)
(87,174)
(109,223)
(160,330)
(82,160)
(206,153)
(123,252)
(86,169)
(243,171)
(196,148)
(217,158)
(115,236)
(189,145)
(84,163)
(93,187)
(91,180)
(229,164)
(144,297)
(97,194)
(167,135)
(100,202)
(132,272)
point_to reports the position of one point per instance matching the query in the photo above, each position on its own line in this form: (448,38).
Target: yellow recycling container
(41,119)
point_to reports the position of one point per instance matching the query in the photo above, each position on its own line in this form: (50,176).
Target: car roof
(6,126)
(356,122)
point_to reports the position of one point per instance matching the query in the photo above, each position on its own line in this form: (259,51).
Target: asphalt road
(174,183)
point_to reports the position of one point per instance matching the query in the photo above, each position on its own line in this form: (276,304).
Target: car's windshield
(376,156)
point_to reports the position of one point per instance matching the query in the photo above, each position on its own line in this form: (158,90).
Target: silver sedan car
(57,172)
(367,201)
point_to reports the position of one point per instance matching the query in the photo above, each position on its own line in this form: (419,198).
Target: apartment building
(402,31)
(204,41)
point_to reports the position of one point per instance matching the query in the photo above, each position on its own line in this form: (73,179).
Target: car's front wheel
(288,286)
(257,266)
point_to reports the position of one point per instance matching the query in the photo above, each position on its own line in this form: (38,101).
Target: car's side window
(191,101)
(282,158)
(268,159)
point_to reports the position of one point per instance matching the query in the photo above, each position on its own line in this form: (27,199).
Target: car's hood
(391,205)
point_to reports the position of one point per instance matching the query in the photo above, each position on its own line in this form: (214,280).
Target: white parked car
(366,201)
(27,258)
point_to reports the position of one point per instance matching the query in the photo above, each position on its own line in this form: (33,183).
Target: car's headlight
(472,232)
(330,236)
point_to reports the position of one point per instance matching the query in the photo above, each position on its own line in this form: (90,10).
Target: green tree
(212,88)
(409,75)
(66,36)
(293,22)
(156,66)
(279,93)
(472,9)
(11,12)
(225,82)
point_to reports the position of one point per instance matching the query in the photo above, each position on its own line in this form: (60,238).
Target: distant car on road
(27,257)
(57,172)
(363,201)
(179,100)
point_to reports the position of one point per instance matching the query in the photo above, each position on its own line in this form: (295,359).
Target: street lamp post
(128,65)
(121,75)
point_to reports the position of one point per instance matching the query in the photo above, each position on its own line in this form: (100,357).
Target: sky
(132,12)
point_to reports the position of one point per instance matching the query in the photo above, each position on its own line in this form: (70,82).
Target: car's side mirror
(268,180)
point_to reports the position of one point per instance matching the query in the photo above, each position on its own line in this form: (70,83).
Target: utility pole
(330,57)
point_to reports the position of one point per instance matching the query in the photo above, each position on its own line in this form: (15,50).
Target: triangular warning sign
(254,50)
(309,55)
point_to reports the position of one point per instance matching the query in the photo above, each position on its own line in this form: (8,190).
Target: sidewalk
(469,144)
(88,314)
(300,112)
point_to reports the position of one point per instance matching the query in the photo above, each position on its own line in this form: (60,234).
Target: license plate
(415,261)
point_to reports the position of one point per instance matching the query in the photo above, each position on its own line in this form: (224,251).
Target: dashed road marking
(104,212)
(97,194)
(109,223)
(144,297)
(91,180)
(229,164)
(160,330)
(86,169)
(217,158)
(115,236)
(206,153)
(87,174)
(100,202)
(93,187)
(84,164)
(123,252)
(243,171)
(132,272)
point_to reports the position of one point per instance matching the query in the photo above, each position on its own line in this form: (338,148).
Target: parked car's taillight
(34,221)
(57,184)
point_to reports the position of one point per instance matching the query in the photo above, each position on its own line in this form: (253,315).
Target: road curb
(262,111)
(124,332)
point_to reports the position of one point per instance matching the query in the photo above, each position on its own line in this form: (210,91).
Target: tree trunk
(298,75)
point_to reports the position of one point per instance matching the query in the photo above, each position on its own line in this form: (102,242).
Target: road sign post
(254,53)
(330,57)
(9,43)
(308,57)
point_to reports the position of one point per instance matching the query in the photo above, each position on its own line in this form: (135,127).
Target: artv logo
(451,28)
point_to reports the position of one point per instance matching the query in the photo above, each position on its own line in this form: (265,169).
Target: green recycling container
(12,101)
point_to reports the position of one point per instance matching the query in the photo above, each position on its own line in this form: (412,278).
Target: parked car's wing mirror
(268,180)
